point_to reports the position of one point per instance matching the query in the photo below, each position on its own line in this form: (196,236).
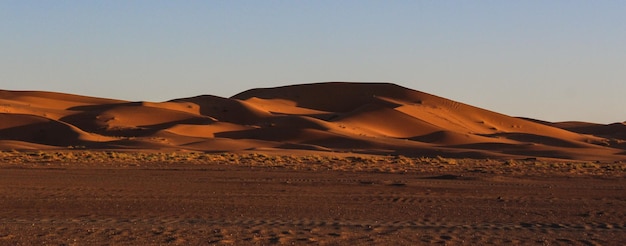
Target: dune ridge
(360,118)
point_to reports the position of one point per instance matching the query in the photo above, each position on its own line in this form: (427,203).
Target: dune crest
(369,118)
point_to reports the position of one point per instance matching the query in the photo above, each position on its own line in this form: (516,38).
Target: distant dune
(368,118)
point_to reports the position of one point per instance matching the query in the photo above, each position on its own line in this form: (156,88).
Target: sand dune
(610,131)
(313,164)
(370,118)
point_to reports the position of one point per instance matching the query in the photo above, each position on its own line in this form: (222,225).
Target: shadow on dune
(226,110)
(536,139)
(48,133)
(332,96)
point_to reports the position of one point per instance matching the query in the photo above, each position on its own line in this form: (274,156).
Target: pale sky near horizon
(549,60)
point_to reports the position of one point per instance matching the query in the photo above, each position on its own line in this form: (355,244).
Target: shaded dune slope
(371,118)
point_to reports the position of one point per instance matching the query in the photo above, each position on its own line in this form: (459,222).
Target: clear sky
(551,60)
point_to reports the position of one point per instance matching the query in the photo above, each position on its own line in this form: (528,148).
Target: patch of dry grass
(356,163)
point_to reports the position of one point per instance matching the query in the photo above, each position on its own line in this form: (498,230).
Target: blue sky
(551,60)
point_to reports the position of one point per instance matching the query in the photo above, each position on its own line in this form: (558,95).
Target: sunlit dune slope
(372,118)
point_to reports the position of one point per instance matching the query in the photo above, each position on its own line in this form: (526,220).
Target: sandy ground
(221,204)
(332,163)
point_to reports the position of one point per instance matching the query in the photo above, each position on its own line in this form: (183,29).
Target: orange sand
(366,118)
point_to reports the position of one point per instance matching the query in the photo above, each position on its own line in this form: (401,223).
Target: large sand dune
(371,118)
(340,164)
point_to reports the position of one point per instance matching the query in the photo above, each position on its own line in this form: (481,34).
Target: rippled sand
(246,205)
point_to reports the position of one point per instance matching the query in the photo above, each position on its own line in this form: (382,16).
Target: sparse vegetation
(356,163)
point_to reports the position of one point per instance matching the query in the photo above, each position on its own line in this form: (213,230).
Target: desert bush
(356,163)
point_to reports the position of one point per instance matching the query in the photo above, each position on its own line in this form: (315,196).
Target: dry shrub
(356,163)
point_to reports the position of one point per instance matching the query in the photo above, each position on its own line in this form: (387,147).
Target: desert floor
(190,204)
